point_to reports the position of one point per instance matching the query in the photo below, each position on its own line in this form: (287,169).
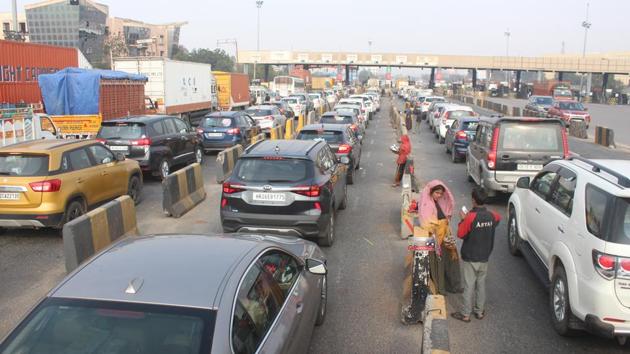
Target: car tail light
(141,142)
(446,115)
(234,131)
(223,202)
(102,141)
(344,149)
(624,264)
(317,206)
(231,188)
(309,191)
(492,155)
(604,264)
(200,131)
(52,185)
(354,127)
(565,143)
(461,135)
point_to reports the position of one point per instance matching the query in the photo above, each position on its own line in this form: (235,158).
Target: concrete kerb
(183,190)
(86,235)
(226,160)
(435,337)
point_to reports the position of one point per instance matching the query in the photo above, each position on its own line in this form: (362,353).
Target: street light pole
(259,4)
(507,54)
(586,26)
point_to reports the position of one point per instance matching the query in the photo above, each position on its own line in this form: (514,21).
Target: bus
(287,85)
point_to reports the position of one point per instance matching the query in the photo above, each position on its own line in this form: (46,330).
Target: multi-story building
(70,23)
(145,39)
(7,31)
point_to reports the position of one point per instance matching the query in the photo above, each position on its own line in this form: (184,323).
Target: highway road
(365,263)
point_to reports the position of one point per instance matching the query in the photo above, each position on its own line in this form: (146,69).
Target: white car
(571,222)
(317,99)
(266,116)
(331,97)
(356,101)
(297,105)
(426,103)
(343,108)
(447,118)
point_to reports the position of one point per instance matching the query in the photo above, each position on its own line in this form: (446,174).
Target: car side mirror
(120,157)
(523,183)
(316,267)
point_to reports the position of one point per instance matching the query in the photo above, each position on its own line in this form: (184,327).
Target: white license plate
(214,135)
(9,196)
(528,167)
(269,197)
(118,148)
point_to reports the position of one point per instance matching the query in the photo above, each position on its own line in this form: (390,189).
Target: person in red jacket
(403,152)
(477,230)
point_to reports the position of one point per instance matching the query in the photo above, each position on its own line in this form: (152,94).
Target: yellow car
(46,183)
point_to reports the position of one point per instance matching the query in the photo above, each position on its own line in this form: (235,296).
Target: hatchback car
(290,187)
(221,130)
(538,106)
(193,294)
(458,135)
(297,105)
(569,111)
(507,148)
(266,117)
(344,117)
(46,183)
(158,143)
(448,116)
(342,140)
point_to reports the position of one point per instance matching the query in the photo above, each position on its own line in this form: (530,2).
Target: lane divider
(183,190)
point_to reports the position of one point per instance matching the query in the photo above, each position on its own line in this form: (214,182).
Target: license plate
(214,135)
(269,197)
(118,148)
(528,167)
(9,196)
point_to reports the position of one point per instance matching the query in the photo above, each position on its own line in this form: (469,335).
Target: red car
(568,111)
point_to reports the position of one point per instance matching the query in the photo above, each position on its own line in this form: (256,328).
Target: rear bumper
(604,329)
(30,220)
(506,182)
(460,149)
(296,225)
(219,145)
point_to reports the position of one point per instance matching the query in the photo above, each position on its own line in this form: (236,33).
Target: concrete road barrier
(226,160)
(435,338)
(276,133)
(183,190)
(86,235)
(311,118)
(604,136)
(516,111)
(578,129)
(257,138)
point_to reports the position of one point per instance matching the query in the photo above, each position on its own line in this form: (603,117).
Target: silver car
(183,294)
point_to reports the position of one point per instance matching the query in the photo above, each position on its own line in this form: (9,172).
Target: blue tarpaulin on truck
(76,91)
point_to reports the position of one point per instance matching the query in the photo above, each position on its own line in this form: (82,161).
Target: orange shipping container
(21,64)
(121,98)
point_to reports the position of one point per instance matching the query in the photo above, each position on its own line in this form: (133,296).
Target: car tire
(561,314)
(448,151)
(440,139)
(75,209)
(454,158)
(321,312)
(199,155)
(514,238)
(329,236)
(470,179)
(164,169)
(134,189)
(344,202)
(350,175)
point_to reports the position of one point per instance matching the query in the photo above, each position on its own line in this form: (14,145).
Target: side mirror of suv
(523,182)
(315,266)
(120,157)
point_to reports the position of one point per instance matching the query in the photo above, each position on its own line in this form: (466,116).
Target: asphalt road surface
(365,264)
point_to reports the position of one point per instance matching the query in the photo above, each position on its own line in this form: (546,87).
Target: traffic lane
(366,262)
(32,261)
(518,317)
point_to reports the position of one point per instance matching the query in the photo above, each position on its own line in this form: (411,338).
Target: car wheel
(470,179)
(440,139)
(321,313)
(344,202)
(73,211)
(134,189)
(350,175)
(454,158)
(514,239)
(329,237)
(448,151)
(561,314)
(164,169)
(199,155)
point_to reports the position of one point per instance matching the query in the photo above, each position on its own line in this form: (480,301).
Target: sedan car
(458,136)
(221,130)
(266,117)
(188,294)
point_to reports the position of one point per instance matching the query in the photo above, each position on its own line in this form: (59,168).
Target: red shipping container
(121,98)
(21,63)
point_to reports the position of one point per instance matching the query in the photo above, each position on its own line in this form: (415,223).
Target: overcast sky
(417,26)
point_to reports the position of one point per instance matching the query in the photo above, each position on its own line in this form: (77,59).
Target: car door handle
(299,307)
(560,229)
(80,180)
(538,211)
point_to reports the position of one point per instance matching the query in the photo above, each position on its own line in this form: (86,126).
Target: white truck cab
(21,124)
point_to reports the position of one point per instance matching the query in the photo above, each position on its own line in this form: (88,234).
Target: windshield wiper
(2,173)
(114,137)
(278,180)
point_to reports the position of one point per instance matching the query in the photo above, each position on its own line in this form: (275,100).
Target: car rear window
(121,130)
(470,126)
(458,114)
(23,165)
(530,137)
(574,106)
(217,122)
(290,100)
(347,110)
(607,216)
(337,119)
(273,169)
(330,136)
(621,222)
(544,100)
(259,112)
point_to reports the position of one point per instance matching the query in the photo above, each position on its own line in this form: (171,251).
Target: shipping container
(174,87)
(322,83)
(303,74)
(232,90)
(20,65)
(546,88)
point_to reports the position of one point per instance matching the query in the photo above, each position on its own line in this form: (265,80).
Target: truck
(232,90)
(303,74)
(21,124)
(179,88)
(320,83)
(559,90)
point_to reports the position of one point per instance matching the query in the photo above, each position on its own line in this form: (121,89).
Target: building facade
(70,23)
(145,39)
(7,31)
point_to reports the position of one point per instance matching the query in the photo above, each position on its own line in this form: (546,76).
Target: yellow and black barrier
(226,160)
(311,118)
(435,338)
(300,123)
(276,133)
(604,136)
(183,190)
(258,137)
(86,235)
(289,131)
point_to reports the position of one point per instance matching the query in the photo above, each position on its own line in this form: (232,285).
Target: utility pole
(562,50)
(586,26)
(507,54)
(259,4)
(16,28)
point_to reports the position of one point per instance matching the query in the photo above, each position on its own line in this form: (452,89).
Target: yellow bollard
(300,124)
(288,132)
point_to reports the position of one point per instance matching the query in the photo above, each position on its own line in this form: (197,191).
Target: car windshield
(544,100)
(562,93)
(23,165)
(470,126)
(530,137)
(217,122)
(121,130)
(573,106)
(273,169)
(290,100)
(337,119)
(259,112)
(82,326)
(330,136)
(346,110)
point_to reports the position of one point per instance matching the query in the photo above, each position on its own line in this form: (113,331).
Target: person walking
(477,229)
(403,152)
(408,119)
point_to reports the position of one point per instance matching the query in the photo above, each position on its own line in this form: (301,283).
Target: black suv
(157,142)
(290,187)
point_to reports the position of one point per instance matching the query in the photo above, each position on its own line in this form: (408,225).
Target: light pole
(586,26)
(259,4)
(507,54)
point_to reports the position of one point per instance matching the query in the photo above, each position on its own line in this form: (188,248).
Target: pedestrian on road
(477,229)
(408,114)
(403,152)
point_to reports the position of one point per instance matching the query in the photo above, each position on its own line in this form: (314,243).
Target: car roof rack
(622,180)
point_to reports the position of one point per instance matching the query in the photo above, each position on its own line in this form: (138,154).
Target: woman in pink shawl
(436,203)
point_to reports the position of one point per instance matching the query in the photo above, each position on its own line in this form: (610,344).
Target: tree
(114,46)
(218,58)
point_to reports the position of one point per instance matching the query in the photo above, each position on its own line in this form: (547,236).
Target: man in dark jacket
(477,230)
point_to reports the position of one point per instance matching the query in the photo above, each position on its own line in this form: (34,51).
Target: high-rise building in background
(70,23)
(145,39)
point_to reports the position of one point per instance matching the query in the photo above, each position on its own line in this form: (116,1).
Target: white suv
(572,225)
